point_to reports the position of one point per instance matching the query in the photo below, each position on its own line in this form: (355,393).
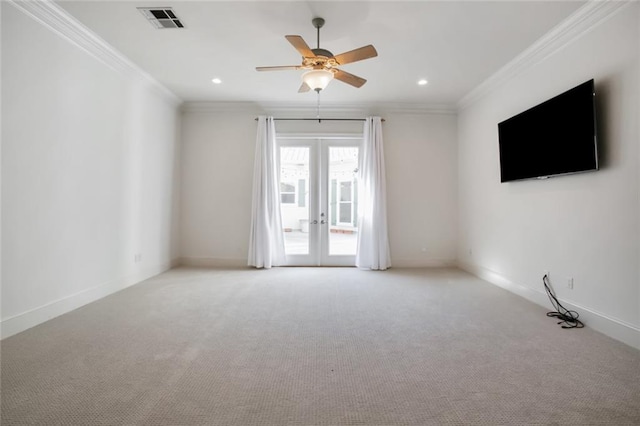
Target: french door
(319,200)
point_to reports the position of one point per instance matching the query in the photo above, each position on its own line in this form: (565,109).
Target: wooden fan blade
(284,67)
(365,52)
(304,88)
(348,78)
(300,45)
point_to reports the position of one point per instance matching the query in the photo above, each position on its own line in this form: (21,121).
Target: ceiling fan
(321,64)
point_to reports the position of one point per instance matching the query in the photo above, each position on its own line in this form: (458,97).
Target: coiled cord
(569,319)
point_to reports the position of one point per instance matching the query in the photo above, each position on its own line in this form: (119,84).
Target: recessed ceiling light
(216,81)
(422,82)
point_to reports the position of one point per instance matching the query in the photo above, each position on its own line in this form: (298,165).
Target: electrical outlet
(570,283)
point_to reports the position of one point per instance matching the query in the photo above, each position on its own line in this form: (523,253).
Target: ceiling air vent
(161,17)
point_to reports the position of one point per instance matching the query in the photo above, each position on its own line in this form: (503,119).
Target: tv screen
(557,137)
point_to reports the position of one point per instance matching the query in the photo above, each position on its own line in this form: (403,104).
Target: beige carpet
(311,346)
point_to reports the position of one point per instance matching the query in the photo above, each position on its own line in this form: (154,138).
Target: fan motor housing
(322,52)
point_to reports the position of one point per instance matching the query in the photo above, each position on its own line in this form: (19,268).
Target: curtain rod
(319,119)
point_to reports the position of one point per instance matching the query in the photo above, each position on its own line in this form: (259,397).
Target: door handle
(322,222)
(315,222)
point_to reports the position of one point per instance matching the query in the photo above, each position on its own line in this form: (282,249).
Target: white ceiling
(455,45)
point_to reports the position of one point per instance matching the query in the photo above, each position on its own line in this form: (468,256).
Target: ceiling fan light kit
(317,79)
(321,64)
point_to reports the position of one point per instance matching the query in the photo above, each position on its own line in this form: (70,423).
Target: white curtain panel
(266,243)
(373,242)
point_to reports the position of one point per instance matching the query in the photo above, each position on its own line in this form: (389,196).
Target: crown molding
(593,13)
(371,108)
(221,107)
(326,110)
(271,108)
(411,108)
(52,16)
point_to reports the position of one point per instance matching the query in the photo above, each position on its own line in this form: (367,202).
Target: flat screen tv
(557,137)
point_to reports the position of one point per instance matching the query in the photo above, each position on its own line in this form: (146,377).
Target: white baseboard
(408,262)
(36,316)
(213,262)
(612,327)
(216,262)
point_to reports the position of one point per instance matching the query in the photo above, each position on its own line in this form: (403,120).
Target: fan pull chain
(318,107)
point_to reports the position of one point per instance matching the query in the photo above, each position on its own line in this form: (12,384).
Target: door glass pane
(345,213)
(294,198)
(345,190)
(343,230)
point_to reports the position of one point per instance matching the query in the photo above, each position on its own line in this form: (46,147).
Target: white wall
(218,150)
(583,226)
(89,176)
(217,176)
(421,161)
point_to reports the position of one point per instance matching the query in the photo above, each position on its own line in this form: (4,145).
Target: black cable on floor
(569,318)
